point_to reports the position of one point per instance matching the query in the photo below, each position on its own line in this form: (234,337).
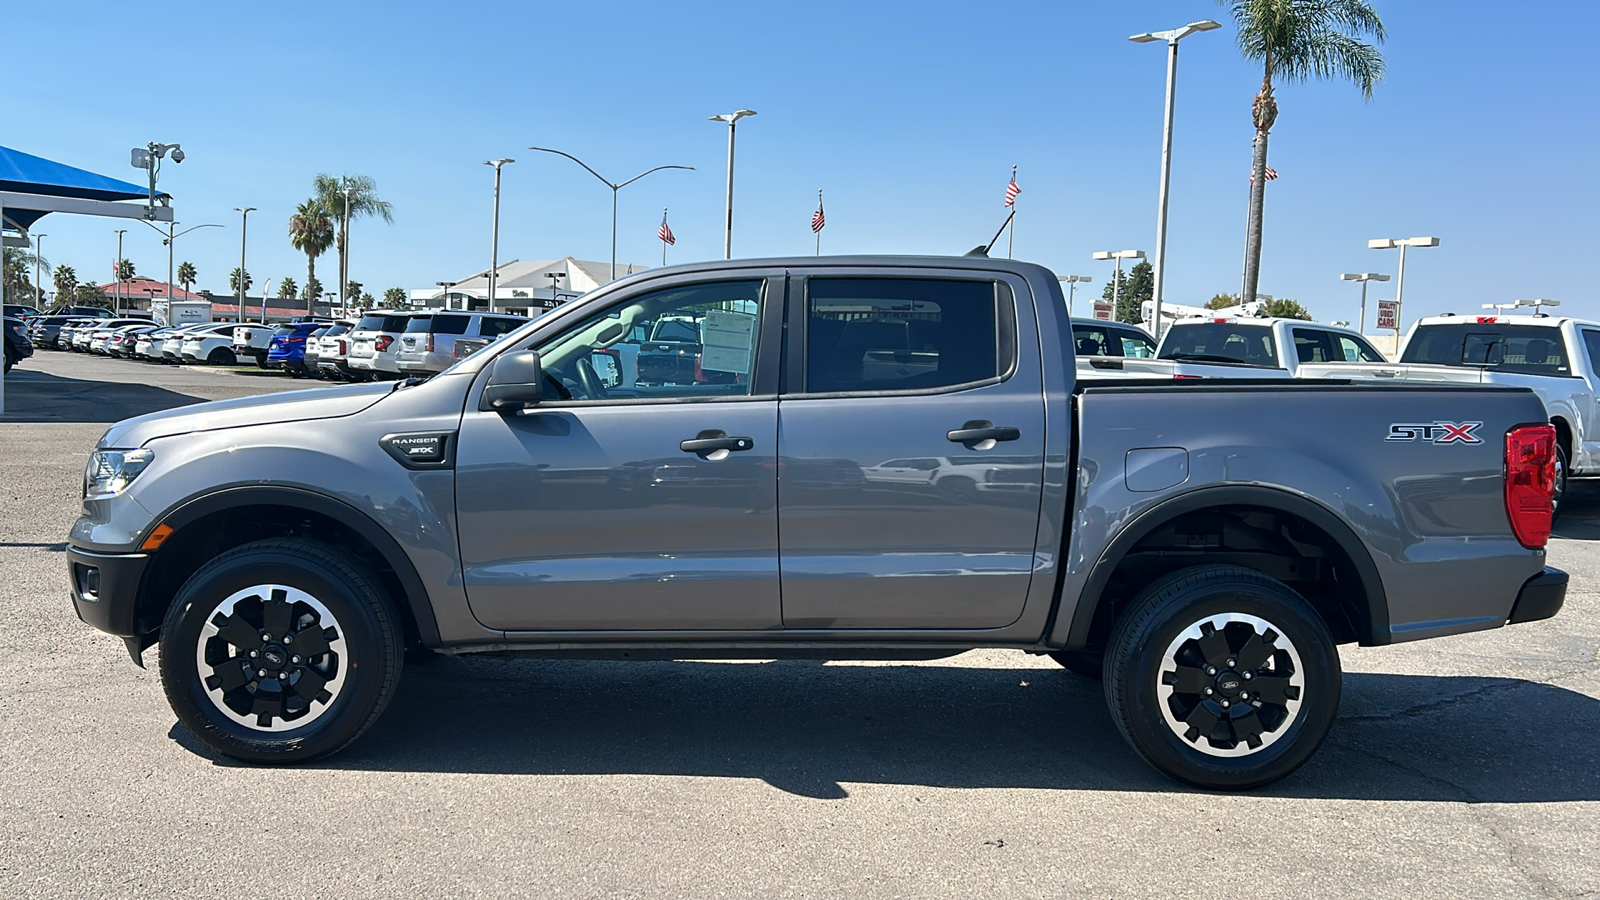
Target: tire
(1156,671)
(1562,465)
(222,356)
(1081,662)
(261,362)
(215,627)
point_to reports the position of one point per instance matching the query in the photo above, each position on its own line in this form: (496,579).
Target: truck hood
(266,409)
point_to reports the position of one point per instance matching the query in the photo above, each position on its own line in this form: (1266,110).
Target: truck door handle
(980,430)
(712,440)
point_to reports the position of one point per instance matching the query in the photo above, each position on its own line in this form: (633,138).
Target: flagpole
(819,230)
(1011,236)
(663,242)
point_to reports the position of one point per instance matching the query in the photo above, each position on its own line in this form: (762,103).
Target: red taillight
(427,343)
(1486,320)
(1186,377)
(382,343)
(344,349)
(1531,482)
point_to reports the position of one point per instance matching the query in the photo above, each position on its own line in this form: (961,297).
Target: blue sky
(909,116)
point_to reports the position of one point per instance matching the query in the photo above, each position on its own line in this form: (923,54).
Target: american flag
(1012,190)
(1271,173)
(818,220)
(665,233)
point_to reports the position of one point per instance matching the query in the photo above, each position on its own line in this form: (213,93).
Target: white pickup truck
(1558,357)
(1245,347)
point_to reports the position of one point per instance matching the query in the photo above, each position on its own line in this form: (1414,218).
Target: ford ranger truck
(1202,547)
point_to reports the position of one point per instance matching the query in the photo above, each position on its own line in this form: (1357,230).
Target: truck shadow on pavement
(1580,515)
(810,729)
(40,397)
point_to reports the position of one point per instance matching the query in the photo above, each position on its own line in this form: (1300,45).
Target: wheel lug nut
(1211,670)
(295,660)
(1244,695)
(1209,692)
(1224,704)
(261,673)
(1230,663)
(1248,676)
(283,676)
(253,654)
(288,639)
(266,636)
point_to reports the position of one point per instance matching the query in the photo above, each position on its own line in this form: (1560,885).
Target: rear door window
(1524,349)
(874,334)
(494,327)
(372,323)
(449,324)
(1136,344)
(1094,340)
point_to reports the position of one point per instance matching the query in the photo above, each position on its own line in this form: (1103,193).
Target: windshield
(1527,349)
(1221,342)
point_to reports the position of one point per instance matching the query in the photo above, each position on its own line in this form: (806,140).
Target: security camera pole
(150,159)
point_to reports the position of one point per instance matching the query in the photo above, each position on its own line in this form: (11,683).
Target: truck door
(889,374)
(633,506)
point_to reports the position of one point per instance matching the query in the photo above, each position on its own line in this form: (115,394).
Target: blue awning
(28,174)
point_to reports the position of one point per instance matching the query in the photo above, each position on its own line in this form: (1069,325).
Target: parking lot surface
(1463,767)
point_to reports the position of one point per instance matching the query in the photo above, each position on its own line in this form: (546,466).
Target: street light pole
(119,304)
(1400,274)
(1116,281)
(444,292)
(244,228)
(731,119)
(38,285)
(1172,38)
(1363,277)
(494,238)
(1072,281)
(344,258)
(615,187)
(555,285)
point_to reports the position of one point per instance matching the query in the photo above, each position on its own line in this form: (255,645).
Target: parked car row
(384,344)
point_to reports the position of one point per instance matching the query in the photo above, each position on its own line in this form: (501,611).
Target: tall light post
(444,292)
(727,234)
(494,234)
(1116,282)
(38,286)
(1400,273)
(169,239)
(615,187)
(1172,38)
(1363,277)
(555,286)
(1072,282)
(244,227)
(344,258)
(118,273)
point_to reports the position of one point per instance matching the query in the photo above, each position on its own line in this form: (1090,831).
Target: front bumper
(1540,598)
(105,588)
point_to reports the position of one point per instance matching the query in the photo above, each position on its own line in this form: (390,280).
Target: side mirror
(516,382)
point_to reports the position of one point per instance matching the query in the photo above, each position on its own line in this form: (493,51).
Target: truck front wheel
(1222,677)
(279,651)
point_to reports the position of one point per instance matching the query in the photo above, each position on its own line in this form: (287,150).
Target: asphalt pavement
(1461,767)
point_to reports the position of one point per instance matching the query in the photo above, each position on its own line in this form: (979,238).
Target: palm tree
(234,279)
(362,193)
(1297,40)
(66,281)
(187,275)
(125,270)
(395,298)
(287,288)
(311,232)
(19,263)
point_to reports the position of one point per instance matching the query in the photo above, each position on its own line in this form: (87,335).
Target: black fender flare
(1373,629)
(416,593)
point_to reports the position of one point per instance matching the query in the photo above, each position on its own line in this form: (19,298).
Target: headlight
(111,471)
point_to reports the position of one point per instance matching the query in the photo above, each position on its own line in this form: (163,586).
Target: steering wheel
(589,379)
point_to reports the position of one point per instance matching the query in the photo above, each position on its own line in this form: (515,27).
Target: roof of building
(140,286)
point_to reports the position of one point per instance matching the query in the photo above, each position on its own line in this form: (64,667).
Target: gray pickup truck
(879,458)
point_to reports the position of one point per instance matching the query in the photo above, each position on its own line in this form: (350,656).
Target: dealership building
(523,288)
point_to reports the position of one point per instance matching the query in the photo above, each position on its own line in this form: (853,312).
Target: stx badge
(1436,432)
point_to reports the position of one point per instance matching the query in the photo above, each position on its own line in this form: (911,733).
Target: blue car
(287,349)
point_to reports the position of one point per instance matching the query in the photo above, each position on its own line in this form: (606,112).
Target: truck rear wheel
(1222,677)
(279,651)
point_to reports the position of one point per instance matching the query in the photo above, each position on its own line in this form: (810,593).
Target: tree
(348,198)
(287,289)
(1295,41)
(233,281)
(89,294)
(187,274)
(311,232)
(313,289)
(125,270)
(1139,288)
(354,290)
(395,298)
(66,281)
(19,264)
(1222,301)
(1284,308)
(1117,288)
